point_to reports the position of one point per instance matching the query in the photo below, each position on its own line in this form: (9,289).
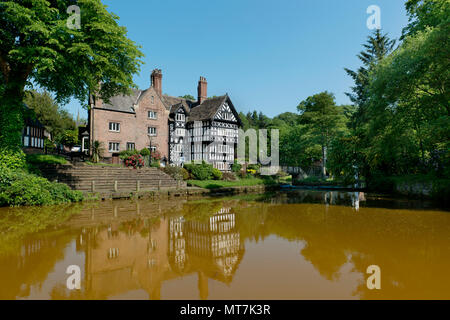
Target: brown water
(292,245)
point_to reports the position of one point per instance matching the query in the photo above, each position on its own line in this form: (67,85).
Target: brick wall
(133,127)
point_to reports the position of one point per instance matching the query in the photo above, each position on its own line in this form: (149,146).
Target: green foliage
(55,119)
(188,97)
(178,173)
(38,159)
(37,47)
(217,174)
(229,176)
(49,146)
(19,188)
(216,184)
(203,171)
(236,167)
(155,163)
(68,138)
(401,125)
(125,154)
(12,159)
(145,152)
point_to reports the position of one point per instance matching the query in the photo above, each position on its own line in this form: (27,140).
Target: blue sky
(267,55)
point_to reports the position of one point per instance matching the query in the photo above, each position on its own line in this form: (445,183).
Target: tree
(38,48)
(376,48)
(409,96)
(323,120)
(68,138)
(55,119)
(188,97)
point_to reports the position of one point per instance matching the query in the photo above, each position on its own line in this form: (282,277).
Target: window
(180,117)
(152,114)
(153,99)
(131,146)
(114,126)
(180,132)
(113,147)
(152,131)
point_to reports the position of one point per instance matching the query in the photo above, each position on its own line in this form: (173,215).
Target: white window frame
(150,133)
(112,145)
(155,114)
(114,126)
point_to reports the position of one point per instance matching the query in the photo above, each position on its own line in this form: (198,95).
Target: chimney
(156,80)
(202,90)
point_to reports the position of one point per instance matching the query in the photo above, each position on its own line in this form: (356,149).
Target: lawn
(215,184)
(45,159)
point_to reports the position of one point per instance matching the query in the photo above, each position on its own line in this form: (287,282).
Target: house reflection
(142,254)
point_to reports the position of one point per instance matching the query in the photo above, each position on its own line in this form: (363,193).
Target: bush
(18,188)
(217,174)
(12,159)
(135,161)
(177,173)
(242,174)
(125,154)
(202,171)
(145,152)
(229,176)
(236,167)
(155,163)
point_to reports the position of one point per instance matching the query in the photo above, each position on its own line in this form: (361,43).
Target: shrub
(242,174)
(19,188)
(177,173)
(236,167)
(217,174)
(135,161)
(49,146)
(155,163)
(125,154)
(203,171)
(229,176)
(144,152)
(12,159)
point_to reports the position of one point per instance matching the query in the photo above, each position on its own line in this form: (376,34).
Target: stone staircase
(110,179)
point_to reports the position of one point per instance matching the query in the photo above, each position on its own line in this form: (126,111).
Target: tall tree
(37,47)
(323,120)
(375,49)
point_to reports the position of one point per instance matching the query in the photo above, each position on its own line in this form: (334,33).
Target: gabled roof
(208,109)
(123,103)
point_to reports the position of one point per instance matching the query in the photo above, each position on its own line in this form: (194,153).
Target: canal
(298,244)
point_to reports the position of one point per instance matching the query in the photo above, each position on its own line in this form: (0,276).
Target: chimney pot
(156,80)
(202,89)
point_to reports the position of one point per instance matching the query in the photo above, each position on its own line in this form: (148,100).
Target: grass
(101,164)
(216,184)
(37,159)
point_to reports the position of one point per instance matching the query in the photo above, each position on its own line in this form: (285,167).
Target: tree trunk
(324,161)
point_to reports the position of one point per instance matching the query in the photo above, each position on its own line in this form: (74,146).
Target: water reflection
(298,245)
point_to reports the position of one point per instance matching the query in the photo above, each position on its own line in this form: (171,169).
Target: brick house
(180,130)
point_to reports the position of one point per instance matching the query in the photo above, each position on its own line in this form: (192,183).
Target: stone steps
(93,179)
